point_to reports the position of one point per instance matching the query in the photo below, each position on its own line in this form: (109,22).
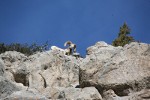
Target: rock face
(6,87)
(107,73)
(54,69)
(122,69)
(42,70)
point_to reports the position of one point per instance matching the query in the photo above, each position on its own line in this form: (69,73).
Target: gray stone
(141,95)
(115,73)
(53,69)
(1,68)
(117,68)
(25,95)
(7,87)
(76,93)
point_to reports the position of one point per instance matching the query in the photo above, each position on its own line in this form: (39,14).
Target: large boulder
(81,94)
(53,69)
(123,70)
(141,95)
(71,93)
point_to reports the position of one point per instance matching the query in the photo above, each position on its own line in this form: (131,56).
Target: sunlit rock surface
(106,73)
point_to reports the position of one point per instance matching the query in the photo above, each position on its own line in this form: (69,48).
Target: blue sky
(84,22)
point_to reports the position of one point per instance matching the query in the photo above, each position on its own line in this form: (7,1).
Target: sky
(84,22)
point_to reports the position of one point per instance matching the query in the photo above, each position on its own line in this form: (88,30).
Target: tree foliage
(123,37)
(23,48)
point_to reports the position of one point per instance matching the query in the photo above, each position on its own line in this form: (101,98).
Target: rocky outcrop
(106,73)
(122,69)
(53,69)
(41,71)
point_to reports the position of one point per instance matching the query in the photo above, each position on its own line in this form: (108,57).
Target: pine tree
(123,37)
